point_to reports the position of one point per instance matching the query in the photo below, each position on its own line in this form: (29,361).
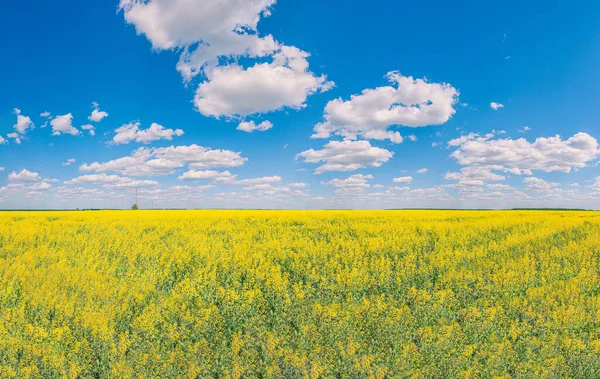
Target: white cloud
(251,126)
(411,103)
(23,123)
(205,31)
(475,175)
(222,28)
(166,160)
(351,186)
(594,186)
(132,132)
(524,129)
(45,114)
(15,136)
(495,106)
(26,183)
(112,181)
(265,87)
(539,185)
(91,128)
(63,124)
(68,162)
(403,179)
(24,176)
(545,154)
(97,115)
(219,176)
(499,187)
(259,181)
(422,170)
(3,140)
(346,156)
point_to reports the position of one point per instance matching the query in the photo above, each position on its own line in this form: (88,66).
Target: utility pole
(135,205)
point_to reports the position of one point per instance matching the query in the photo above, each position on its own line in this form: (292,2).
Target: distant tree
(135,207)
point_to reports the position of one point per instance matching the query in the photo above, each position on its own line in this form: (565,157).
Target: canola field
(300,294)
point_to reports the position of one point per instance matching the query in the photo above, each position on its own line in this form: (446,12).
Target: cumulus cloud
(206,31)
(16,136)
(218,176)
(422,170)
(24,176)
(97,115)
(408,102)
(219,28)
(63,125)
(539,185)
(259,181)
(23,124)
(68,162)
(251,126)
(499,187)
(544,154)
(495,106)
(346,156)
(90,128)
(166,160)
(475,175)
(26,183)
(132,132)
(352,185)
(3,140)
(403,179)
(111,181)
(265,87)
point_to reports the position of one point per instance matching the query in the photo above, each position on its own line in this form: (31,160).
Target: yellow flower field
(300,294)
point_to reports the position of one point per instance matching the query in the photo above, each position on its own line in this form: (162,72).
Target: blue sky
(383,105)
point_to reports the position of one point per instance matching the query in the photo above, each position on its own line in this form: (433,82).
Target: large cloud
(346,156)
(544,154)
(411,102)
(208,30)
(166,160)
(235,91)
(219,27)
